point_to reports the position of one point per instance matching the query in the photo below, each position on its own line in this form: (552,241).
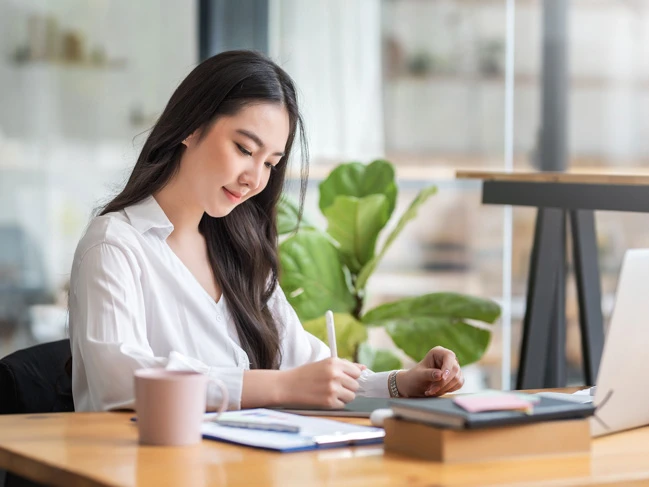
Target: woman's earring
(186,141)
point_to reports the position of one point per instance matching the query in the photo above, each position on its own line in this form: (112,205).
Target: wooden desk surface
(558,177)
(100,449)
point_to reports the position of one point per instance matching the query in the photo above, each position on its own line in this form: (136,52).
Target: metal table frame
(543,358)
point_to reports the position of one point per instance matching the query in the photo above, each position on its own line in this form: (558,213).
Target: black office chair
(35,380)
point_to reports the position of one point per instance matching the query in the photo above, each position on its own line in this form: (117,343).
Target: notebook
(444,413)
(313,432)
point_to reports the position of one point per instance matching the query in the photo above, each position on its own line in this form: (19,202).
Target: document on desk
(313,432)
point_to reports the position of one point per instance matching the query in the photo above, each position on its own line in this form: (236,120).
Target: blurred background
(419,82)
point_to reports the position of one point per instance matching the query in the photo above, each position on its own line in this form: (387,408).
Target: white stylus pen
(331,333)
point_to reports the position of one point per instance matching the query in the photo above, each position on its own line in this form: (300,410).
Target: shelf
(521,79)
(440,168)
(633,5)
(52,175)
(109,65)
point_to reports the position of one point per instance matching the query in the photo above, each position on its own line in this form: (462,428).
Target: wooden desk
(100,449)
(559,196)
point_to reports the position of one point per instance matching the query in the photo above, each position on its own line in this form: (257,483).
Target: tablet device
(361,407)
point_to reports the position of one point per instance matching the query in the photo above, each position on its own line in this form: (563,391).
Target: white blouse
(134,304)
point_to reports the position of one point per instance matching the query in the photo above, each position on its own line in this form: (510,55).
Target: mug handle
(225,397)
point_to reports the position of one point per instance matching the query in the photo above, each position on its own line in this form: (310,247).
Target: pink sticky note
(497,402)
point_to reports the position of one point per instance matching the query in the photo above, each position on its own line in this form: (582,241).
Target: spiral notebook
(313,432)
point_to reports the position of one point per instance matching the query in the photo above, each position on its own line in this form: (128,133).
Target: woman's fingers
(449,363)
(440,388)
(351,369)
(348,383)
(449,374)
(452,386)
(345,395)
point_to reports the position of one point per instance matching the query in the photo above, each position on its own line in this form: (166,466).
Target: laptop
(622,393)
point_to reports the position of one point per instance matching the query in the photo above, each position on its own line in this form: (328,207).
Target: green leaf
(451,305)
(418,324)
(360,180)
(409,214)
(350,333)
(417,335)
(312,275)
(287,216)
(378,359)
(355,223)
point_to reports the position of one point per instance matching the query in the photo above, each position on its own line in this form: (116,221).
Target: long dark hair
(242,246)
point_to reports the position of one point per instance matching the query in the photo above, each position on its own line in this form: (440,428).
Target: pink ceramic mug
(170,405)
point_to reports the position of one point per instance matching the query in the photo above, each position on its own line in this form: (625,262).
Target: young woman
(180,269)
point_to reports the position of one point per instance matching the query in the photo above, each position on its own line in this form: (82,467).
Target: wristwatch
(392,384)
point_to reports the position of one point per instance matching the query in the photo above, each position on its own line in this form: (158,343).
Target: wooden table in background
(559,197)
(100,449)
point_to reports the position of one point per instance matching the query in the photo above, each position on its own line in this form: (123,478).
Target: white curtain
(332,49)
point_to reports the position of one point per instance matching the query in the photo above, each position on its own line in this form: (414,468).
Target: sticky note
(475,403)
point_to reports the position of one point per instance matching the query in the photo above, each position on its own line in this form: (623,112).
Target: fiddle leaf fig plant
(330,269)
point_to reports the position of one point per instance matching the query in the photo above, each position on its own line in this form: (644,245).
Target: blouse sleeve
(109,335)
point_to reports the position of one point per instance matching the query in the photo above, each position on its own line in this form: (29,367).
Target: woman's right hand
(330,383)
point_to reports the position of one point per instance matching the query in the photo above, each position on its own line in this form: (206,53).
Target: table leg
(544,302)
(555,371)
(589,290)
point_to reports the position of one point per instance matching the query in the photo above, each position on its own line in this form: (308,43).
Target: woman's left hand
(438,373)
